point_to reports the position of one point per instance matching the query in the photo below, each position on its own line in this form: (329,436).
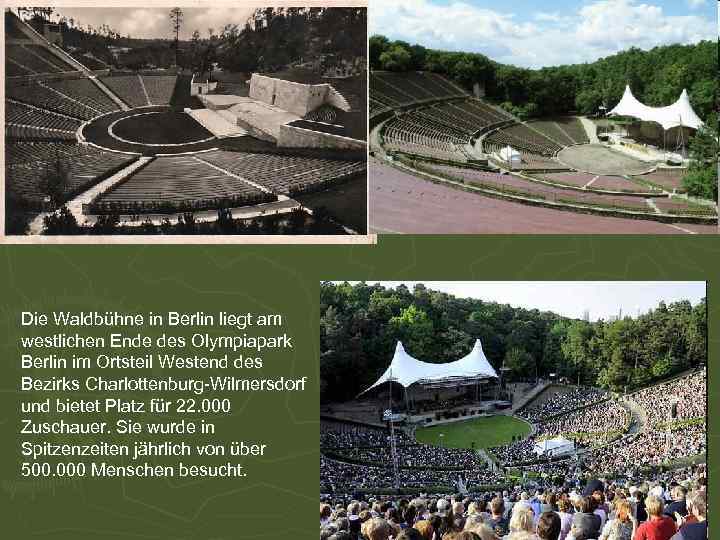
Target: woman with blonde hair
(522,524)
(623,525)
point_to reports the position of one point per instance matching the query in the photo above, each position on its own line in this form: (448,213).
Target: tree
(60,222)
(176,20)
(396,58)
(702,177)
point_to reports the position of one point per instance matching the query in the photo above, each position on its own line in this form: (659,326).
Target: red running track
(402,203)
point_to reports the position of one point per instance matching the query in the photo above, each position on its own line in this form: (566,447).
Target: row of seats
(160,88)
(285,175)
(31,59)
(18,152)
(405,134)
(521,137)
(180,181)
(26,115)
(85,166)
(565,131)
(36,93)
(128,88)
(529,160)
(85,91)
(396,89)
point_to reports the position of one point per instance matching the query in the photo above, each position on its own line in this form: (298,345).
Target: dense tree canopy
(657,76)
(360,324)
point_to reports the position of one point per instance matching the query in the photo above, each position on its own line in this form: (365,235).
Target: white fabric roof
(406,370)
(679,113)
(509,154)
(553,445)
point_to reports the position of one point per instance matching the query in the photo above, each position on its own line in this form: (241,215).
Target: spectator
(658,526)
(549,526)
(697,507)
(623,525)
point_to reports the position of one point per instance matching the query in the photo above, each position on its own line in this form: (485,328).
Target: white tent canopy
(678,114)
(509,154)
(554,447)
(406,370)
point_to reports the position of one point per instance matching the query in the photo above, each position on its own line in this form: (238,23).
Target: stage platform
(217,123)
(260,120)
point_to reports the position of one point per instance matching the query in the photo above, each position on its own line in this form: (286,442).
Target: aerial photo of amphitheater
(232,121)
(454,406)
(487,118)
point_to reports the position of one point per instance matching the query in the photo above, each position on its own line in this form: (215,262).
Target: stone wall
(294,137)
(262,88)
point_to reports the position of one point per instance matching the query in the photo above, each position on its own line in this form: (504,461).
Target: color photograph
(560,117)
(513,410)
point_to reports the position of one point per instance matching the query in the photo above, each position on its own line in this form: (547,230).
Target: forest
(657,78)
(268,40)
(361,323)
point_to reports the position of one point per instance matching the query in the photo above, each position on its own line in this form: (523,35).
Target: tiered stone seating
(41,96)
(284,174)
(324,113)
(413,134)
(178,182)
(395,89)
(86,166)
(529,160)
(85,91)
(33,59)
(160,88)
(575,129)
(553,131)
(128,88)
(26,115)
(33,152)
(521,137)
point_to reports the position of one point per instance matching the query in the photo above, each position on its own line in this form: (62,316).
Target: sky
(155,22)
(535,34)
(603,299)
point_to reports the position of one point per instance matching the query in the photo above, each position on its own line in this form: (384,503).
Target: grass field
(485,432)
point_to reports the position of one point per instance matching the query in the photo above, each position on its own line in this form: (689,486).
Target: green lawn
(485,432)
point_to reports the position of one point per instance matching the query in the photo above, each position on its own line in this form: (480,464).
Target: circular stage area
(601,160)
(149,131)
(159,128)
(485,432)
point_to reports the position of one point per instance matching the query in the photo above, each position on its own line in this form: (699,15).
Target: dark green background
(280,497)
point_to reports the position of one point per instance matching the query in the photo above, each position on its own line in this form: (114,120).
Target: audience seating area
(29,162)
(20,114)
(181,183)
(39,95)
(86,92)
(565,131)
(29,59)
(521,137)
(159,88)
(128,88)
(389,89)
(284,175)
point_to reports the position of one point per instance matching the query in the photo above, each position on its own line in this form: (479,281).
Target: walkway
(590,129)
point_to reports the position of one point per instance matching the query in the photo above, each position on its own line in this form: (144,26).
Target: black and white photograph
(160,121)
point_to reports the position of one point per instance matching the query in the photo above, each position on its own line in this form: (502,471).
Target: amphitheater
(614,435)
(149,146)
(425,126)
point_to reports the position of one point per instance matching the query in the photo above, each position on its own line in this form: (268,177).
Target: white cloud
(155,22)
(694,4)
(599,28)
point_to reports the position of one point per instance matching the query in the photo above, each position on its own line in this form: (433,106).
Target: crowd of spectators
(661,506)
(560,402)
(358,458)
